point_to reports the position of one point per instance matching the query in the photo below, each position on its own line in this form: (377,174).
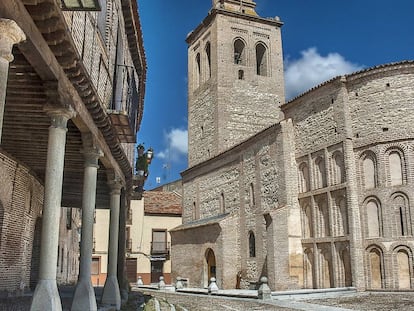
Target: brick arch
(308,268)
(338,168)
(304,182)
(369,174)
(391,170)
(402,263)
(402,225)
(373,224)
(375,266)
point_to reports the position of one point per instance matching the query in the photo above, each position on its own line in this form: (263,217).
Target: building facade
(147,240)
(320,198)
(71,103)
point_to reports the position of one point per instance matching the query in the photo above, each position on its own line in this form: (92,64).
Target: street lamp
(143,160)
(81,5)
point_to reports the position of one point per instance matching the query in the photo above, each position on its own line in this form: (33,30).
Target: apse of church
(312,193)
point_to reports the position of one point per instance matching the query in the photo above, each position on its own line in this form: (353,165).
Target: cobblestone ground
(372,301)
(23,304)
(212,303)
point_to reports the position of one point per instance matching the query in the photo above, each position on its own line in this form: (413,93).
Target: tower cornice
(199,30)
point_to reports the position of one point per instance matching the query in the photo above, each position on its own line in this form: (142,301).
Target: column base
(46,297)
(84,298)
(111,294)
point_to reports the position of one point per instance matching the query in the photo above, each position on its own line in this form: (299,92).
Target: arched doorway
(210,265)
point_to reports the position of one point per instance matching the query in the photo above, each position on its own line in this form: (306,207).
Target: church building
(316,192)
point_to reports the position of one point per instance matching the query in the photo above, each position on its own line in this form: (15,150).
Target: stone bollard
(213,288)
(161,284)
(139,281)
(179,283)
(264,291)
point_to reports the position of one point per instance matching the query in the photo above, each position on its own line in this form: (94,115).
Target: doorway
(157,268)
(210,265)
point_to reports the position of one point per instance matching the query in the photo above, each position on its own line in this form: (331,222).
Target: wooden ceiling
(25,134)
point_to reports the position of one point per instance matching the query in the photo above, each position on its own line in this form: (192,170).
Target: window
(251,195)
(402,215)
(198,70)
(95,268)
(261,60)
(196,214)
(252,245)
(159,241)
(208,57)
(222,203)
(239,52)
(241,75)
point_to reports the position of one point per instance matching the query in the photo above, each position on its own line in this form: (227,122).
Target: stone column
(10,34)
(84,297)
(111,294)
(46,296)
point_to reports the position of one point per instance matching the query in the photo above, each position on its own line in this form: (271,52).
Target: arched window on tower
(198,70)
(239,52)
(252,244)
(208,58)
(261,59)
(251,195)
(222,204)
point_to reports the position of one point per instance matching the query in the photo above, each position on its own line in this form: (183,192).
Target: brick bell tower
(235,78)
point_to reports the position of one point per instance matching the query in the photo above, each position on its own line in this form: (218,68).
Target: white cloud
(177,141)
(312,69)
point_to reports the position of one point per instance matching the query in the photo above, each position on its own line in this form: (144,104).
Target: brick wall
(330,131)
(21,201)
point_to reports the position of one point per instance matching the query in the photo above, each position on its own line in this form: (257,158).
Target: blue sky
(321,39)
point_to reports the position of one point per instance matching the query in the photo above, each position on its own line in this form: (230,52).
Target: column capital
(59,115)
(58,106)
(114,182)
(90,150)
(10,34)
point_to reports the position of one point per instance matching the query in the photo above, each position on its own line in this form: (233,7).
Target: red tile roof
(165,203)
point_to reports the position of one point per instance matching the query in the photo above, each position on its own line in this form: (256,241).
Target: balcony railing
(128,245)
(160,248)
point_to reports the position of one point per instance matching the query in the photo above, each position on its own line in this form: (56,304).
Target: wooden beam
(39,55)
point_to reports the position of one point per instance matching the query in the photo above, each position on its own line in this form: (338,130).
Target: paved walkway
(300,305)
